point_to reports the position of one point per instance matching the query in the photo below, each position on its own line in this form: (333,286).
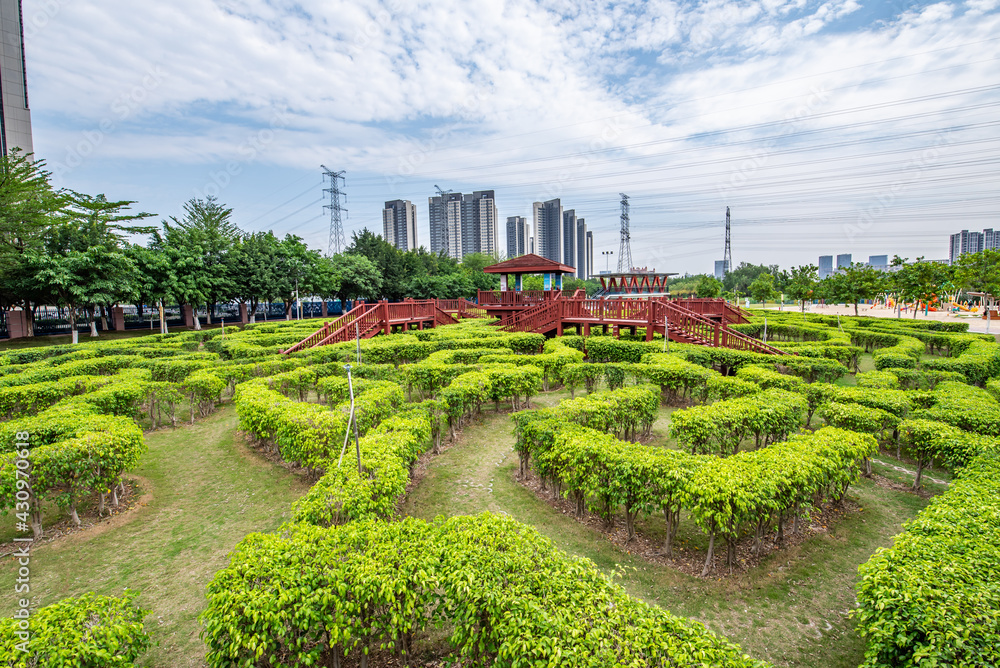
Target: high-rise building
(518,236)
(825,266)
(15,117)
(479,223)
(399,224)
(721,269)
(548,225)
(569,237)
(969,242)
(843,260)
(880,262)
(590,254)
(463,224)
(445,219)
(582,266)
(991,239)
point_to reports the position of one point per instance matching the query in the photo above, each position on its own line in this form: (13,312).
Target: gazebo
(551,271)
(512,298)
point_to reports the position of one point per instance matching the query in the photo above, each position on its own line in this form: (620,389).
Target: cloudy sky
(840,126)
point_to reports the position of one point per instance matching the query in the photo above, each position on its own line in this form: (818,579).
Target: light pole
(607,260)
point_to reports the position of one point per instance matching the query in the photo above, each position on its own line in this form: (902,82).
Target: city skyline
(791,115)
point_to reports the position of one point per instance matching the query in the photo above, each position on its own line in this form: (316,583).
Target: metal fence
(50,320)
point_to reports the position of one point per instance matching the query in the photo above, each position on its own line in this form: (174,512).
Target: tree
(919,281)
(155,278)
(255,265)
(801,283)
(78,279)
(28,207)
(854,283)
(762,288)
(739,279)
(358,276)
(979,272)
(709,287)
(389,260)
(89,222)
(201,241)
(294,270)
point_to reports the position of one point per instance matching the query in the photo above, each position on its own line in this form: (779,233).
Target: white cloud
(481,92)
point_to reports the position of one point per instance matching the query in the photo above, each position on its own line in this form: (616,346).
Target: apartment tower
(399,224)
(15,118)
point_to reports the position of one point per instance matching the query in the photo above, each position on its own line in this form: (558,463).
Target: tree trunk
(93,322)
(920,474)
(100,504)
(208,313)
(75,334)
(36,518)
(163,318)
(668,516)
(104,318)
(711,552)
(197,320)
(855,308)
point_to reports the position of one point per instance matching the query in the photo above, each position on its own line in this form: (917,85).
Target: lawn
(204,492)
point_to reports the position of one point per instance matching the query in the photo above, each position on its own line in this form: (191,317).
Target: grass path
(207,491)
(790,610)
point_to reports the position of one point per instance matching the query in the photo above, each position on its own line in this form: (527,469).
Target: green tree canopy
(802,282)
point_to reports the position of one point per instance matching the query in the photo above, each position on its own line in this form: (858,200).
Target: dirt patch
(91,524)
(691,561)
(886,483)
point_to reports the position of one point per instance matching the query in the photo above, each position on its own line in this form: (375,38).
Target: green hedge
(932,598)
(89,631)
(314,595)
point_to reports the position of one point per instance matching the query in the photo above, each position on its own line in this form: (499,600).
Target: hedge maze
(756,443)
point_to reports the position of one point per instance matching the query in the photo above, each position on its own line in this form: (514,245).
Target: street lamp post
(607,260)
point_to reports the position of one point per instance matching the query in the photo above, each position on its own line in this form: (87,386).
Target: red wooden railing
(513,298)
(329,328)
(718,308)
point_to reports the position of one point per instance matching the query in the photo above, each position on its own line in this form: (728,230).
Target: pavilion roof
(530,264)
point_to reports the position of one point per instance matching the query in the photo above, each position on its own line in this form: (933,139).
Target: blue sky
(828,127)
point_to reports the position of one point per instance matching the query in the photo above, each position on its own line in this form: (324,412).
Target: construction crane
(442,193)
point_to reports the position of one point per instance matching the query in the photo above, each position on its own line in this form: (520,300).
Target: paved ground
(976,323)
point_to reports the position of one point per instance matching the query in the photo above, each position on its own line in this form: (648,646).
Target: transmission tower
(727,255)
(625,251)
(337,242)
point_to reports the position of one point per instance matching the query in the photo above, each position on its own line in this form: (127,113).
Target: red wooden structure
(634,283)
(366,320)
(699,321)
(654,315)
